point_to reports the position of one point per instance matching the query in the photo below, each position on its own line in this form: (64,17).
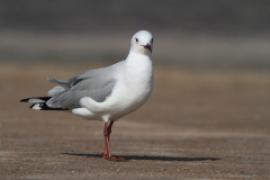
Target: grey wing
(63,85)
(67,83)
(97,84)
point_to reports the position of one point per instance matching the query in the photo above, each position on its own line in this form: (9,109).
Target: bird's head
(142,42)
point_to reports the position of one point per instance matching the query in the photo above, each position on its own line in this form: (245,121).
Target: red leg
(107,132)
(107,150)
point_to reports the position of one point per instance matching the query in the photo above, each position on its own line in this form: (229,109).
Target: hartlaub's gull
(106,93)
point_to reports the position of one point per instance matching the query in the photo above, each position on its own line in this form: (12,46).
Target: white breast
(133,88)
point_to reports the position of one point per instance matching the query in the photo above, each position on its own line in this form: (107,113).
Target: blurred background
(211,96)
(221,33)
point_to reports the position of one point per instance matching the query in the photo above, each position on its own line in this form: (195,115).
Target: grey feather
(55,91)
(97,84)
(57,81)
(66,83)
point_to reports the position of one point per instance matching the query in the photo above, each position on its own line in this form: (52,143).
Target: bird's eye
(136,39)
(152,40)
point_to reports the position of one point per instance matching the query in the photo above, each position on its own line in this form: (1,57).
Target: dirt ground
(199,124)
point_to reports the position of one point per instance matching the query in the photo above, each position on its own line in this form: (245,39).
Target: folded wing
(97,84)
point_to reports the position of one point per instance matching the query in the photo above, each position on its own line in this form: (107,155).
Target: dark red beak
(148,46)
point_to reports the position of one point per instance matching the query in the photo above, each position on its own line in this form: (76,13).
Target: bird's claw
(113,158)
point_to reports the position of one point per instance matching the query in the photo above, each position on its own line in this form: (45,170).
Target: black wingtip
(44,98)
(24,100)
(42,105)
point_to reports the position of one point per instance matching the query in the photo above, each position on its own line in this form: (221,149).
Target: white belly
(132,90)
(125,99)
(133,87)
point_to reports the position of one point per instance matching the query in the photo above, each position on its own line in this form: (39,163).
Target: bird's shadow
(147,157)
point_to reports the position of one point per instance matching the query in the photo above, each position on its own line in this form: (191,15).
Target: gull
(107,93)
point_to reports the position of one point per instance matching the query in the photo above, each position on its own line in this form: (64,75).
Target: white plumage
(106,93)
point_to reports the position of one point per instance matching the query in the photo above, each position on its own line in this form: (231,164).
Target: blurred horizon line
(170,48)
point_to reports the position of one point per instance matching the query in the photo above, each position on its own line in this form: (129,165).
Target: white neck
(139,66)
(138,60)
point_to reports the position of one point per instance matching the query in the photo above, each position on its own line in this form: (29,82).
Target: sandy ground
(197,125)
